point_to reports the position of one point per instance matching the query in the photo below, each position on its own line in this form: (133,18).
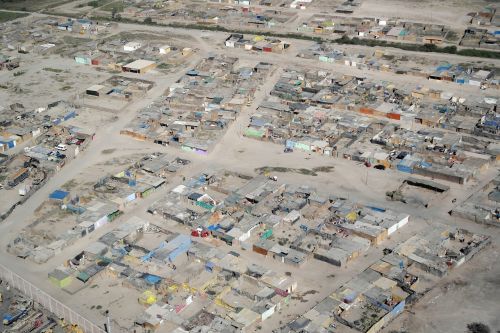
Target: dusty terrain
(450,12)
(474,286)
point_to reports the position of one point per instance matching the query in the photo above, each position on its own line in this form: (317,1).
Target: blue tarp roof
(58,195)
(178,241)
(377,209)
(152,279)
(213,227)
(443,67)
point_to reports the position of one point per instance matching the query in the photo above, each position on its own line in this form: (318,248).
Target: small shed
(60,278)
(95,90)
(292,217)
(139,66)
(164,49)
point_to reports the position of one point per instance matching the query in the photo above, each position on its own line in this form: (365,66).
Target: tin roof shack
(482,207)
(97,214)
(160,316)
(58,226)
(128,232)
(115,93)
(244,318)
(479,213)
(457,173)
(162,164)
(397,268)
(479,37)
(129,184)
(342,250)
(197,110)
(120,189)
(173,249)
(252,291)
(287,255)
(206,320)
(387,219)
(366,303)
(18,125)
(139,66)
(319,24)
(60,277)
(174,207)
(442,249)
(66,218)
(370,301)
(282,285)
(375,234)
(257,43)
(302,111)
(8,63)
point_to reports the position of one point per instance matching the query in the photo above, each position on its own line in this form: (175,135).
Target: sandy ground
(449,12)
(38,85)
(235,152)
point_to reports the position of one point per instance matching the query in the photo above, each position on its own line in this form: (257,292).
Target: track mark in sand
(108,151)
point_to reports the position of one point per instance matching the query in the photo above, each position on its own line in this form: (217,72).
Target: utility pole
(108,324)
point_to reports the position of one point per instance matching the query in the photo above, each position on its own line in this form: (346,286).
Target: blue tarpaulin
(290,144)
(443,67)
(179,245)
(58,195)
(213,227)
(377,209)
(152,279)
(70,115)
(209,266)
(9,143)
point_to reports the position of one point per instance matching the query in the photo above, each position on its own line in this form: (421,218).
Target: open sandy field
(449,12)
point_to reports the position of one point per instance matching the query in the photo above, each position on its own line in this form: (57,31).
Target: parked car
(62,147)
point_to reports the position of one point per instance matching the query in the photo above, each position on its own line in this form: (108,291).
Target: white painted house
(131,46)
